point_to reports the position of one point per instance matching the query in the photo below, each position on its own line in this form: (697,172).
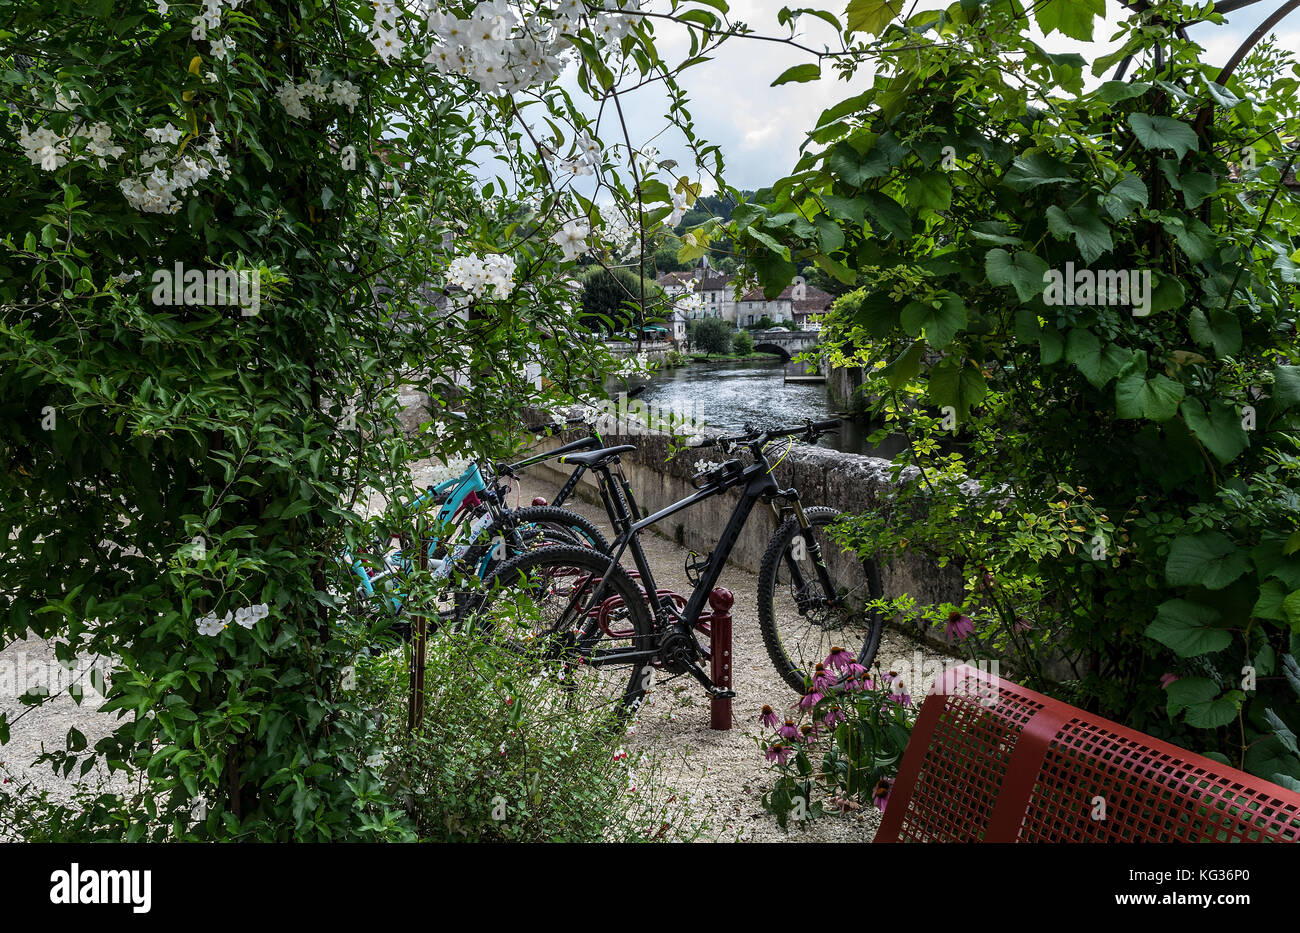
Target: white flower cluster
(170,174)
(572,238)
(497,49)
(247,617)
(617,232)
(293,97)
(210,18)
(585,161)
(476,274)
(691,305)
(51,151)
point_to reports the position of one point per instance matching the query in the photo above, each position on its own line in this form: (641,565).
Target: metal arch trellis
(1227,6)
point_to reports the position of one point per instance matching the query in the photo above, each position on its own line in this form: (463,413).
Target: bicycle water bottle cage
(725,472)
(695,566)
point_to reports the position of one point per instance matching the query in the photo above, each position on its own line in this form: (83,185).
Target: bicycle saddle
(591,458)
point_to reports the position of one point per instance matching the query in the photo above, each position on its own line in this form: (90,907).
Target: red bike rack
(990,761)
(720,601)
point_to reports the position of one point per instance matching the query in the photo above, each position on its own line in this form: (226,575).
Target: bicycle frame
(759,485)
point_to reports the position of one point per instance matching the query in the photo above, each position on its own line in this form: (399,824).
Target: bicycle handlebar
(554,426)
(810,430)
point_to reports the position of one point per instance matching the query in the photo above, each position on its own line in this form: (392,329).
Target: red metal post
(720,600)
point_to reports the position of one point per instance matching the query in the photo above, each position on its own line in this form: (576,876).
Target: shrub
(504,756)
(712,335)
(742,344)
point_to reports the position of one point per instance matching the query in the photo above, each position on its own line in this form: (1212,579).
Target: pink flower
(789,730)
(811,699)
(859,680)
(881,795)
(778,753)
(834,716)
(898,691)
(808,733)
(1167,679)
(768,718)
(959,627)
(839,659)
(822,678)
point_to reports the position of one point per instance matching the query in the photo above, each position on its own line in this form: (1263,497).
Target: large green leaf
(939,319)
(1211,560)
(872,16)
(799,74)
(1088,231)
(889,214)
(1099,365)
(1286,386)
(958,383)
(1155,399)
(1188,628)
(1074,18)
(1024,272)
(1218,428)
(930,190)
(1164,133)
(1037,168)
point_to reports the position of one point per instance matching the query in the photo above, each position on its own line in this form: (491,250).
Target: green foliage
(741,343)
(1095,292)
(164,462)
(611,299)
(712,335)
(508,753)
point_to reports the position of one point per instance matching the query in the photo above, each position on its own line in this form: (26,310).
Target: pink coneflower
(808,732)
(898,690)
(778,753)
(839,659)
(833,717)
(880,797)
(789,730)
(1167,679)
(959,627)
(822,678)
(859,680)
(811,699)
(769,718)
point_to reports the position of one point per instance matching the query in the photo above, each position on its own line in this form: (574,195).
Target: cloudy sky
(760,127)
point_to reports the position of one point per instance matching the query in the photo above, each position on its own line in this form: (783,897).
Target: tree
(712,335)
(742,344)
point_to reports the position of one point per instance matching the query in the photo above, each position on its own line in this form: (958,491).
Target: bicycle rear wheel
(549,605)
(800,624)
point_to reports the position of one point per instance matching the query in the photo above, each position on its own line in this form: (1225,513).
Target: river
(727,394)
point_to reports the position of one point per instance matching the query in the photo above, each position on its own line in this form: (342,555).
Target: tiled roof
(712,283)
(674,278)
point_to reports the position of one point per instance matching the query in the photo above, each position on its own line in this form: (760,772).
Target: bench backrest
(992,761)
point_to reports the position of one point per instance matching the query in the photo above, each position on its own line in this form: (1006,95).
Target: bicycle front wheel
(801,621)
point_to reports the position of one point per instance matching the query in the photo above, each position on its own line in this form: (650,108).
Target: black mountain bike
(583,609)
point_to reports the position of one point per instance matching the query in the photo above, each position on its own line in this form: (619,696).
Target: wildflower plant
(839,749)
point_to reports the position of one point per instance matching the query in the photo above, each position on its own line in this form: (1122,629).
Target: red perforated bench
(1028,768)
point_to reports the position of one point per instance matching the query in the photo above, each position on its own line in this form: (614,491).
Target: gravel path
(724,771)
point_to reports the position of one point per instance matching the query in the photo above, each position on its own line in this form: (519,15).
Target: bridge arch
(774,348)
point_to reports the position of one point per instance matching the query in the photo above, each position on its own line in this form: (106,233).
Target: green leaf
(1113,92)
(1037,168)
(856,168)
(1087,230)
(1154,399)
(1073,18)
(1164,133)
(872,16)
(1211,560)
(1213,714)
(1125,196)
(1024,272)
(1286,387)
(1099,366)
(906,368)
(930,190)
(1167,295)
(1282,731)
(1188,628)
(958,383)
(889,214)
(799,74)
(1218,428)
(1189,691)
(939,319)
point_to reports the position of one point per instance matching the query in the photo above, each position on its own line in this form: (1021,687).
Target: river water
(728,394)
